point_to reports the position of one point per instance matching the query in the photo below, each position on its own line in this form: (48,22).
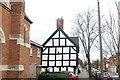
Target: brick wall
(5,24)
(35,58)
(16,49)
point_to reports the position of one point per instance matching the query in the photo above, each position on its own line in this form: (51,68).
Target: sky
(44,13)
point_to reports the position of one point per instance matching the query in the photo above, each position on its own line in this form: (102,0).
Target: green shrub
(54,76)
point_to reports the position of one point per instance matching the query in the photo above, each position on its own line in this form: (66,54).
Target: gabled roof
(26,18)
(70,39)
(34,43)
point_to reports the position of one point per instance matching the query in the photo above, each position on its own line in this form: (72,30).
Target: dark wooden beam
(69,55)
(55,55)
(62,56)
(59,38)
(48,57)
(52,42)
(63,60)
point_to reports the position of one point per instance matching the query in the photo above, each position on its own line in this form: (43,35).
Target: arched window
(2,36)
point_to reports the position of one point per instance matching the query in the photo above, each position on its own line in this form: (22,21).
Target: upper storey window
(31,50)
(25,31)
(39,51)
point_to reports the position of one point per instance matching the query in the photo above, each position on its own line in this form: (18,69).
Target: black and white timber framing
(60,51)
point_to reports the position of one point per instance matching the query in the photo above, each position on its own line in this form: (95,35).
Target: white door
(32,70)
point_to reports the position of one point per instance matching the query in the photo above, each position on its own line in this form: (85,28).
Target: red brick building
(19,56)
(111,63)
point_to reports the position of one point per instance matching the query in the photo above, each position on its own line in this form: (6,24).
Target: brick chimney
(17,16)
(60,23)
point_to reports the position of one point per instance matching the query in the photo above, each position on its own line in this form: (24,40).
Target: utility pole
(100,40)
(118,68)
(118,39)
(118,53)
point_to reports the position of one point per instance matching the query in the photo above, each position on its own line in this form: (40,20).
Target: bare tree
(118,9)
(110,37)
(86,31)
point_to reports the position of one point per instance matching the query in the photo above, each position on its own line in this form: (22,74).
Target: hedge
(54,76)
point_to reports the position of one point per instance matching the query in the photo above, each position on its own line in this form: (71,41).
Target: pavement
(83,74)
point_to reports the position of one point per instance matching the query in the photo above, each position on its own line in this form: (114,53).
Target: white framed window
(31,51)
(25,31)
(38,53)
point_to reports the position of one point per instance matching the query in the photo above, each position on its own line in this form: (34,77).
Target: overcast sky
(44,13)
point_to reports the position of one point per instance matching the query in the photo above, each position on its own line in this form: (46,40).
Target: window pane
(44,57)
(56,69)
(66,57)
(31,50)
(66,50)
(65,63)
(70,69)
(63,68)
(51,57)
(51,63)
(73,63)
(59,50)
(56,42)
(73,56)
(62,42)
(52,50)
(44,63)
(58,63)
(58,57)
(39,51)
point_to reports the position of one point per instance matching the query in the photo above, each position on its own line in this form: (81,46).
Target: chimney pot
(60,23)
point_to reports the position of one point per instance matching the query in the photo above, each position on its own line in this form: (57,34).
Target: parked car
(95,73)
(106,76)
(114,76)
(73,76)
